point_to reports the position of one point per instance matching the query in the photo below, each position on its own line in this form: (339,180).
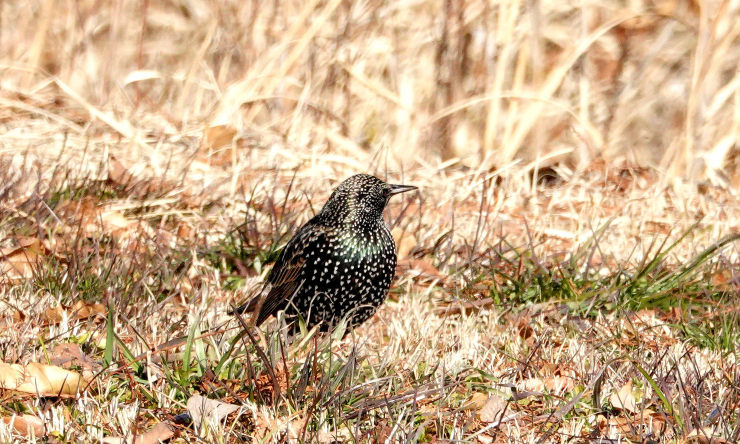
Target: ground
(568,270)
(590,308)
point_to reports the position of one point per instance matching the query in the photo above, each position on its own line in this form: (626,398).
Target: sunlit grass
(576,223)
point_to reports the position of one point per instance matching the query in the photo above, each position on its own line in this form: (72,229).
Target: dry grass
(156,154)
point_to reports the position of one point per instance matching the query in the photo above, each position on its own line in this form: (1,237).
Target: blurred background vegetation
(572,84)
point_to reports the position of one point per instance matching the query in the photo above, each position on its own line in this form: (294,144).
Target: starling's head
(361,199)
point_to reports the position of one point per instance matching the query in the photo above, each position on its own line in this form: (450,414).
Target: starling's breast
(368,260)
(349,276)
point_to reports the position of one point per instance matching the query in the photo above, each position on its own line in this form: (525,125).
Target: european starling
(340,263)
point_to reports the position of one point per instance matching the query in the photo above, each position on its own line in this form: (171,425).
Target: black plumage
(340,263)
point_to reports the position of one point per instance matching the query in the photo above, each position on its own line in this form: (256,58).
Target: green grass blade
(663,399)
(192,334)
(110,338)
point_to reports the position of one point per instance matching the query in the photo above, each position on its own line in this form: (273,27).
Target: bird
(338,264)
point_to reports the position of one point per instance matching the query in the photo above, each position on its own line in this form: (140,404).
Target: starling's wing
(284,279)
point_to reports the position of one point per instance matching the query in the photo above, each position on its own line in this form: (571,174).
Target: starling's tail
(238,310)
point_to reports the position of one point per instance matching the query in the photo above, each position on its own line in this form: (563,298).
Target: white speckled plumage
(340,263)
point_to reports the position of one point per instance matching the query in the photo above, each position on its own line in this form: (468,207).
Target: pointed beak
(398,189)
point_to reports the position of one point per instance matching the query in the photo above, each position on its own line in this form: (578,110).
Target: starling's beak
(398,189)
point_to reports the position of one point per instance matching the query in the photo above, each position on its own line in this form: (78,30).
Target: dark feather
(284,278)
(339,264)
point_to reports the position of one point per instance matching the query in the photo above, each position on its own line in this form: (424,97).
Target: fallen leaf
(26,425)
(266,427)
(159,433)
(295,426)
(184,231)
(41,379)
(624,399)
(706,435)
(211,410)
(18,262)
(341,435)
(78,310)
(82,310)
(118,173)
(475,402)
(524,327)
(115,223)
(53,315)
(485,438)
(555,385)
(18,316)
(94,218)
(616,425)
(218,136)
(627,426)
(23,243)
(492,409)
(655,421)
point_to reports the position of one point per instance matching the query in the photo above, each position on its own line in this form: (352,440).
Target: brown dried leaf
(79,310)
(118,173)
(212,410)
(18,262)
(476,401)
(524,327)
(41,379)
(492,409)
(115,222)
(421,271)
(53,315)
(23,243)
(425,268)
(485,438)
(619,424)
(18,316)
(95,219)
(556,385)
(82,310)
(624,399)
(26,425)
(341,435)
(706,435)
(218,136)
(655,420)
(184,231)
(266,427)
(157,434)
(626,425)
